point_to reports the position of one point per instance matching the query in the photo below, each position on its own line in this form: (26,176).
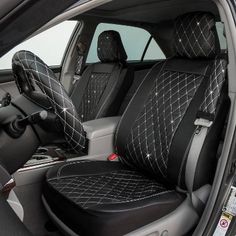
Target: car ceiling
(6,6)
(150,11)
(17,23)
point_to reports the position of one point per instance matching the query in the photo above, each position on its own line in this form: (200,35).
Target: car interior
(128,135)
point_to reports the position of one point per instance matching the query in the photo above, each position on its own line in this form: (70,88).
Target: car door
(49,45)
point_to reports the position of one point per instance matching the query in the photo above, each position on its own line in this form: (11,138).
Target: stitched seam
(108,96)
(139,199)
(118,127)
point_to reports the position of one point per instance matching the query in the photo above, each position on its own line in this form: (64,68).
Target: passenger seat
(103,85)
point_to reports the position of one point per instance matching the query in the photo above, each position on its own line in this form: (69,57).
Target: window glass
(220,32)
(154,52)
(134,39)
(49,45)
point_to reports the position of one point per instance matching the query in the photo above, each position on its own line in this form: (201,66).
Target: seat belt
(80,48)
(202,126)
(203,122)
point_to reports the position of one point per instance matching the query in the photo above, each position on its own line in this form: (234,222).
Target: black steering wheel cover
(29,69)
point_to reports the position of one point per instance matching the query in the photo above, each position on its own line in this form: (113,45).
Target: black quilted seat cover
(116,189)
(171,94)
(102,84)
(167,104)
(196,36)
(110,187)
(110,47)
(152,141)
(94,91)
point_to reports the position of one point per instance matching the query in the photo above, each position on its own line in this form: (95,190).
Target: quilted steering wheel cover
(35,69)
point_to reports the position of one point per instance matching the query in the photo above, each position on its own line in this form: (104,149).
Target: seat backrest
(138,76)
(155,131)
(96,93)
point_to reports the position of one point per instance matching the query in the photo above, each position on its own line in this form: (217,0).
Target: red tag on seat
(112,157)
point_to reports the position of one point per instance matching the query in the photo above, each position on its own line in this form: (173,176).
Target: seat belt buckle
(76,78)
(203,122)
(112,157)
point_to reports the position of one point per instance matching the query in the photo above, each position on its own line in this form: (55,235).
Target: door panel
(7,84)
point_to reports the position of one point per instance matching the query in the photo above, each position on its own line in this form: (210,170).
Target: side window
(221,35)
(134,39)
(49,45)
(153,52)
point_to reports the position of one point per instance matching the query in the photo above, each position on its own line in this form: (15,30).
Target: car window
(153,51)
(134,39)
(49,45)
(220,32)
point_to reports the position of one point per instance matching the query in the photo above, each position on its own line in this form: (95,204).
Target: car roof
(150,11)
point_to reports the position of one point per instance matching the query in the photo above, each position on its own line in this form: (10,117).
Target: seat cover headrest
(110,47)
(195,35)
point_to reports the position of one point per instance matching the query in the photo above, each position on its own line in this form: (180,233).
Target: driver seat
(99,91)
(148,184)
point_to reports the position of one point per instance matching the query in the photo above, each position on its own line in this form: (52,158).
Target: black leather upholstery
(119,194)
(100,90)
(152,141)
(168,112)
(196,36)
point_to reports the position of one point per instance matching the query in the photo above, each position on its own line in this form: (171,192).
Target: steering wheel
(31,72)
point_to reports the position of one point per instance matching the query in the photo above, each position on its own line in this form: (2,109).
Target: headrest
(195,35)
(110,47)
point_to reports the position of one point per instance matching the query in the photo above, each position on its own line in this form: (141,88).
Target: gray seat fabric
(152,141)
(99,91)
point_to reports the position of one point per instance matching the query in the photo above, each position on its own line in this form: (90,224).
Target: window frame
(146,47)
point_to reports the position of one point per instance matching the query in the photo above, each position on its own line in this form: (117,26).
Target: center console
(100,137)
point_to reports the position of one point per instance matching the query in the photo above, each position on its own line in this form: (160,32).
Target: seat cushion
(111,197)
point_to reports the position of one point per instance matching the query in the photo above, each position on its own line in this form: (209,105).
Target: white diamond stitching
(116,187)
(194,36)
(174,92)
(213,91)
(39,72)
